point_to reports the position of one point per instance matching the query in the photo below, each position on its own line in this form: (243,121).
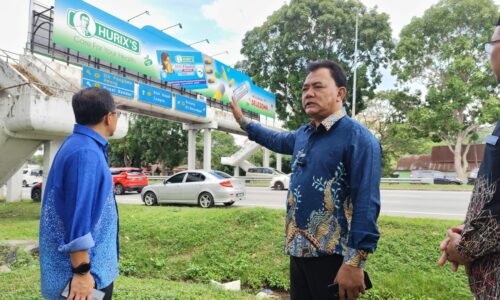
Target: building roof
(441,159)
(413,162)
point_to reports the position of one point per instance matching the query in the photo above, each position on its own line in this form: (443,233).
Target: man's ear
(105,119)
(342,91)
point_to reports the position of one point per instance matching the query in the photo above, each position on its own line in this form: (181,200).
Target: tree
(222,145)
(443,50)
(385,116)
(149,141)
(276,53)
(36,160)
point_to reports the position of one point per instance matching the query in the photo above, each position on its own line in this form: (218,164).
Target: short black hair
(336,70)
(91,104)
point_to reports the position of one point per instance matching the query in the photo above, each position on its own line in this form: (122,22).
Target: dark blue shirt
(78,213)
(333,200)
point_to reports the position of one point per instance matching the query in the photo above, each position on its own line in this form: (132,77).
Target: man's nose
(309,93)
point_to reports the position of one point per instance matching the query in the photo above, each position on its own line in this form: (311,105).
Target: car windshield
(134,172)
(220,175)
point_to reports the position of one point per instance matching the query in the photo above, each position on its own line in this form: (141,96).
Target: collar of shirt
(332,119)
(81,129)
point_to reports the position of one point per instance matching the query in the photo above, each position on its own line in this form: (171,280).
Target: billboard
(85,28)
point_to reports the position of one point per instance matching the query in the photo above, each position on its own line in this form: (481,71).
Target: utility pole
(355,68)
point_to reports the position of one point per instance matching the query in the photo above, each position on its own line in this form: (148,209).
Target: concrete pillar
(207,149)
(15,187)
(50,149)
(278,161)
(236,171)
(191,149)
(265,160)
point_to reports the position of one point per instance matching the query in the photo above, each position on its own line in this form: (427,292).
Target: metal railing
(408,180)
(383,180)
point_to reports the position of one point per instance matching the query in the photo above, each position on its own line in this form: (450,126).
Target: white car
(205,188)
(280,182)
(32,176)
(263,173)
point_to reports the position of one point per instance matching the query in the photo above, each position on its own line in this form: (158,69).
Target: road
(423,204)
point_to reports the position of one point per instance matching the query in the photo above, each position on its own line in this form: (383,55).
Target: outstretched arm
(277,141)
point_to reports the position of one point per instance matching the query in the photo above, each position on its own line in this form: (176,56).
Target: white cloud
(400,12)
(236,17)
(240,16)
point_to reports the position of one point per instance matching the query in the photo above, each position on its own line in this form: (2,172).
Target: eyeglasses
(117,113)
(488,47)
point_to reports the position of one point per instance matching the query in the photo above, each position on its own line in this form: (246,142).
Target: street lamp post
(142,13)
(178,24)
(205,40)
(223,52)
(355,68)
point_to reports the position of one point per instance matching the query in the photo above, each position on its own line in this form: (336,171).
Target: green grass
(172,253)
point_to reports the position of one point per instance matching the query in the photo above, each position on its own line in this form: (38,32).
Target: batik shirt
(481,235)
(333,199)
(78,213)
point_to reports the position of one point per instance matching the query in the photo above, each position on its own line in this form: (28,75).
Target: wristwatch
(82,269)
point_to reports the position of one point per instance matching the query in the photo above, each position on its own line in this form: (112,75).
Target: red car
(128,179)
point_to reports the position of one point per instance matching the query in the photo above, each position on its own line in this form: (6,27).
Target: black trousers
(108,292)
(310,276)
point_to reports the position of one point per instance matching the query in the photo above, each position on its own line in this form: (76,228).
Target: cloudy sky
(222,22)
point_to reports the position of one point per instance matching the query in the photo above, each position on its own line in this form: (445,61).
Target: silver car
(205,188)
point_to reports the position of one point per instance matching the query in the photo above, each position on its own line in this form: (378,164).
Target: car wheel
(119,189)
(36,195)
(150,199)
(205,200)
(279,185)
(229,203)
(25,183)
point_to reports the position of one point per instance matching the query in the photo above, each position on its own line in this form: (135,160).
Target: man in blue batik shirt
(79,217)
(333,200)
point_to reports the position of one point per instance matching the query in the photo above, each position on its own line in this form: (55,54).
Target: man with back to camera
(333,200)
(476,243)
(79,217)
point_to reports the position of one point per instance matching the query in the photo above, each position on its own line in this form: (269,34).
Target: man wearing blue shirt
(79,217)
(333,200)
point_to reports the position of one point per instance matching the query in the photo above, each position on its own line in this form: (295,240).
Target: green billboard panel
(87,29)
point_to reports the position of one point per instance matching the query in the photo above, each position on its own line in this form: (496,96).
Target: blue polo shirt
(79,212)
(333,199)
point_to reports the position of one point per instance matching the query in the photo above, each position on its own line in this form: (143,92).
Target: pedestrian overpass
(35,105)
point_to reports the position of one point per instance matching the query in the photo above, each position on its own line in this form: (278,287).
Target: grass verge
(172,253)
(397,186)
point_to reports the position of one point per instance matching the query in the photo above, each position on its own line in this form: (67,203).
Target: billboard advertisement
(85,28)
(225,83)
(184,68)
